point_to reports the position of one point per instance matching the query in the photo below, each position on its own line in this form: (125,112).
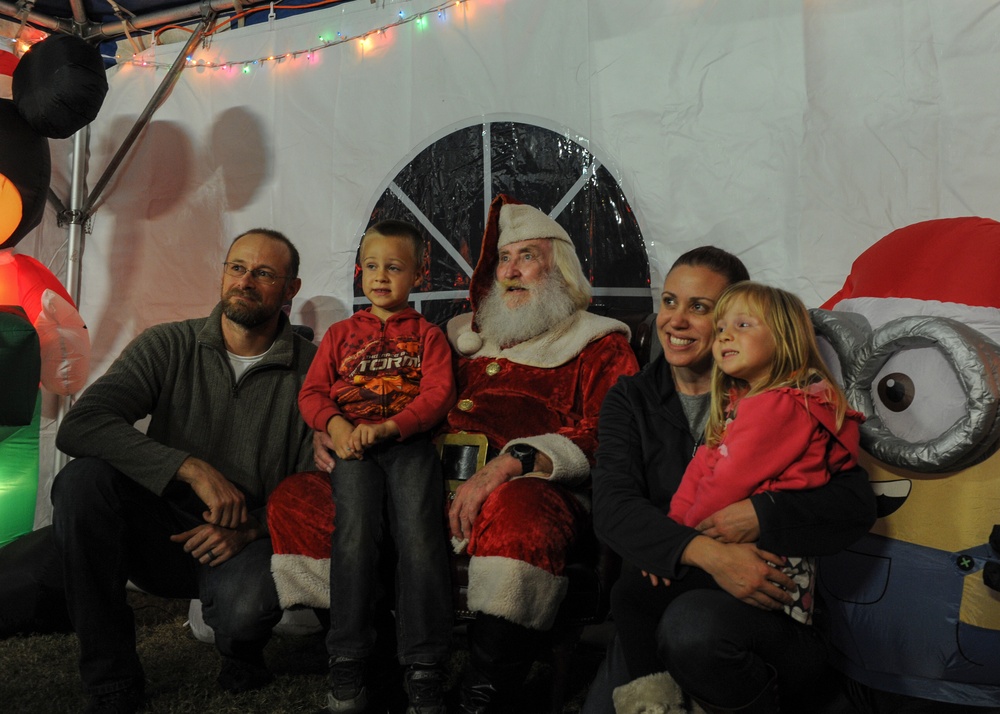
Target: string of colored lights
(246,65)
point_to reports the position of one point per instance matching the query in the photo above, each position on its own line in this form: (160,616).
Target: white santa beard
(548,304)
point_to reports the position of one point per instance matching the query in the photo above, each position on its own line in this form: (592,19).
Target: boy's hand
(340,431)
(365,435)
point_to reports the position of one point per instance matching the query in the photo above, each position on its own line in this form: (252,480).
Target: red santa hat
(508,221)
(945,259)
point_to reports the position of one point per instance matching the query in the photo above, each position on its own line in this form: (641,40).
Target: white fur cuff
(515,590)
(569,464)
(301,580)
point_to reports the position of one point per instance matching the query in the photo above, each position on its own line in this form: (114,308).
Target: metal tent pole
(74,249)
(81,206)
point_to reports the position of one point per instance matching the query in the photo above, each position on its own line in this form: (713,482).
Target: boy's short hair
(394,228)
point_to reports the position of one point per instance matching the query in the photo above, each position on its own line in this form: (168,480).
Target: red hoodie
(368,371)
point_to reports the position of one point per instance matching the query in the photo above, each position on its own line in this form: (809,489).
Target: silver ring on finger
(211,555)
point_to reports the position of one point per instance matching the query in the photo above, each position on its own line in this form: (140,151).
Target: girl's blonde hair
(797,362)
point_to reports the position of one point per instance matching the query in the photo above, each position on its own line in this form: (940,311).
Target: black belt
(463,454)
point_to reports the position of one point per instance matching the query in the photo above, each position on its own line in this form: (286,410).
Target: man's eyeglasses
(260,275)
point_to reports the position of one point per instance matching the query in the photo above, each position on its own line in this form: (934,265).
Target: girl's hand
(655,580)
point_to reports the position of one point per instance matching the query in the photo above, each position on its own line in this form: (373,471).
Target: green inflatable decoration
(20,414)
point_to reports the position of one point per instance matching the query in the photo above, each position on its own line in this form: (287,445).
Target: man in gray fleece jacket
(179,509)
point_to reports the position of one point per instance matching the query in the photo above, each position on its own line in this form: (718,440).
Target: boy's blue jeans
(404,480)
(109,530)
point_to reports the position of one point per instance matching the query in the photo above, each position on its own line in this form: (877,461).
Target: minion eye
(916,394)
(927,388)
(896,391)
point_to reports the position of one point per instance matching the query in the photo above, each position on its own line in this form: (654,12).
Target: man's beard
(548,304)
(248,316)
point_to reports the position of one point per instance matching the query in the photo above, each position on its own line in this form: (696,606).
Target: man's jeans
(109,530)
(402,479)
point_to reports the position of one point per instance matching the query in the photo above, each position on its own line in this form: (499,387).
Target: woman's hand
(743,570)
(736,523)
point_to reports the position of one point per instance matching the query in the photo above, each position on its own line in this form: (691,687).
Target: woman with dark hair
(722,634)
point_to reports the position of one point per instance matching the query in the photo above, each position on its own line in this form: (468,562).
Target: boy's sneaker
(347,693)
(424,684)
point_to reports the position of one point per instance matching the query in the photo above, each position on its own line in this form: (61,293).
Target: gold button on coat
(465,404)
(492,368)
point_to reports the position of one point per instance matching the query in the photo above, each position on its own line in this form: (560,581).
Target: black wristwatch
(526,455)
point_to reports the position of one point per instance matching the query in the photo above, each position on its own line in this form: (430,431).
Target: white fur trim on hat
(515,590)
(519,222)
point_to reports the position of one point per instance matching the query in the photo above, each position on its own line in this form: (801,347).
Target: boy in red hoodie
(381,381)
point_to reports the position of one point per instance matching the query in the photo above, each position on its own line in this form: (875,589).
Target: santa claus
(533,367)
(915,332)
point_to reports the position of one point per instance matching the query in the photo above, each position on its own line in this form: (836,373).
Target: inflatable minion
(914,607)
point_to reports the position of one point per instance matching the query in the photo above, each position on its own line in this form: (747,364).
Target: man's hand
(226,504)
(212,545)
(470,496)
(743,570)
(323,454)
(736,523)
(340,431)
(365,435)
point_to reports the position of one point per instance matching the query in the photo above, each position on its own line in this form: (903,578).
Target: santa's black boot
(500,655)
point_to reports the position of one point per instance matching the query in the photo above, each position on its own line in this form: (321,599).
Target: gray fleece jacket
(179,374)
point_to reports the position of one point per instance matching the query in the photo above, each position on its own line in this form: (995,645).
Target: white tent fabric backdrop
(792,133)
